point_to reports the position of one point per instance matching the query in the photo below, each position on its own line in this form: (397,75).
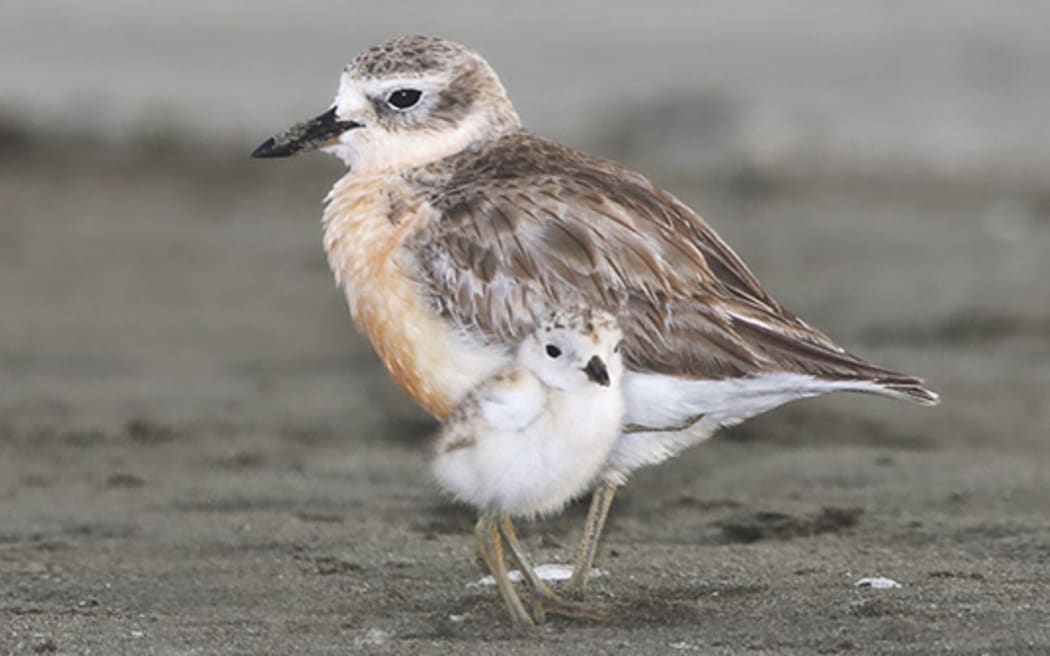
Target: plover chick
(455,230)
(532,437)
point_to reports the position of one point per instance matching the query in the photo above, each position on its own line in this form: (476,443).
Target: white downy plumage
(534,436)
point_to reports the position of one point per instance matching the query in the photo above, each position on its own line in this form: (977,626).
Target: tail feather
(908,389)
(804,350)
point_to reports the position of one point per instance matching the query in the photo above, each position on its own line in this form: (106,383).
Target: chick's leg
(487,535)
(544,599)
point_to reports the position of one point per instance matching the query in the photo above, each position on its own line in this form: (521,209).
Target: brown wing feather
(525,224)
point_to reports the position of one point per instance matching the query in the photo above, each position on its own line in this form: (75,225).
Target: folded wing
(530,224)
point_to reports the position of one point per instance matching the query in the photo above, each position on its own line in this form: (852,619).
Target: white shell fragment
(877,583)
(548,572)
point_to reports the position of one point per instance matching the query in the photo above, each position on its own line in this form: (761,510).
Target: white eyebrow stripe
(380,86)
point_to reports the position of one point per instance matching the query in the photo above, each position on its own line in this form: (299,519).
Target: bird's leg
(518,554)
(544,599)
(601,500)
(487,535)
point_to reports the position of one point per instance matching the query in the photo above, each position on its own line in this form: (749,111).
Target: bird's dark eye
(616,349)
(553,350)
(404,98)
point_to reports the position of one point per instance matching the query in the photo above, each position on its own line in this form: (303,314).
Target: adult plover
(533,437)
(455,230)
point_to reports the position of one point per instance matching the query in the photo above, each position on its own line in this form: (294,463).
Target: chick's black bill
(597,372)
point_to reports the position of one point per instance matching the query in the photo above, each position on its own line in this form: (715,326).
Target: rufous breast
(366,224)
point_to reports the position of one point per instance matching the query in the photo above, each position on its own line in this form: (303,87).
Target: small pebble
(877,583)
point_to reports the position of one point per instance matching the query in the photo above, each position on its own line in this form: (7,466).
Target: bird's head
(575,349)
(404,103)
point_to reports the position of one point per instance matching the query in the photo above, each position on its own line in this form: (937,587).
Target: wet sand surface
(199,455)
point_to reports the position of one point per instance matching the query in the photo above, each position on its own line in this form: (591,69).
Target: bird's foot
(546,602)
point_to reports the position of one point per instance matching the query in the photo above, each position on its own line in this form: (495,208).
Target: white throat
(375,151)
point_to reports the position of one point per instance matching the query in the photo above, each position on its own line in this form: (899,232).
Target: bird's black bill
(305,136)
(597,372)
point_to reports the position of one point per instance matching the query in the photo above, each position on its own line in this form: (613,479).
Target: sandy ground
(198,455)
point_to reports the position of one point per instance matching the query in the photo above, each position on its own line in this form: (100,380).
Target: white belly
(538,470)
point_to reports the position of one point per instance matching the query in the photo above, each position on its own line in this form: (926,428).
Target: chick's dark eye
(404,98)
(553,350)
(616,349)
